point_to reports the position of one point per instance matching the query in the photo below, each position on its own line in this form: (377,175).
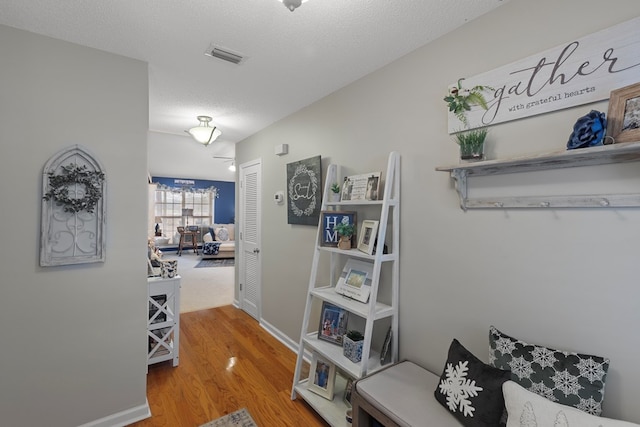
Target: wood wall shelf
(606,154)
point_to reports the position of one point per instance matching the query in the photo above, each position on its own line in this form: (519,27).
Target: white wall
(565,278)
(73,337)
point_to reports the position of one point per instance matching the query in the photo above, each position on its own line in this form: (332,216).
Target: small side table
(185,232)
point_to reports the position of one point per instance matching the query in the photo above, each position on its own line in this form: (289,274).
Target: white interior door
(250,269)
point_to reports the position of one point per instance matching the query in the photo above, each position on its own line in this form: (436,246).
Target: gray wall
(565,278)
(73,337)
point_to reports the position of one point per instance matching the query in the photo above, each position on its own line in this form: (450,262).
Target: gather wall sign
(574,73)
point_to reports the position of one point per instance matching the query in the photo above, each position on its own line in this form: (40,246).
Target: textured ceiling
(293,58)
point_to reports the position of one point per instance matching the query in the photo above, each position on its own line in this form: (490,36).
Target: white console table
(163,321)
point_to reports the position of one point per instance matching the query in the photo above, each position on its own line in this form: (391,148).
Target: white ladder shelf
(334,411)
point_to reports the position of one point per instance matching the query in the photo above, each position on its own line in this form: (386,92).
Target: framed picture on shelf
(355,280)
(322,377)
(368,233)
(347,392)
(333,323)
(330,219)
(623,118)
(361,187)
(385,356)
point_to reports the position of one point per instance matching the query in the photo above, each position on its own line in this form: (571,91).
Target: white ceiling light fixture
(292,4)
(203,133)
(232,166)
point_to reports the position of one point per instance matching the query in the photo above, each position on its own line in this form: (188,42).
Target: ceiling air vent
(224,54)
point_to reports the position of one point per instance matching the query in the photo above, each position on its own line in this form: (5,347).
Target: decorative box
(352,350)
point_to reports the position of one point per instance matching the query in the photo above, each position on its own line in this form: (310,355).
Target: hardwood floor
(227,361)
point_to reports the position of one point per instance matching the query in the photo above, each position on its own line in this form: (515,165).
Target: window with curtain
(170,202)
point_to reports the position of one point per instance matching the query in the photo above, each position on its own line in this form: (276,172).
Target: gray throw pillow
(568,378)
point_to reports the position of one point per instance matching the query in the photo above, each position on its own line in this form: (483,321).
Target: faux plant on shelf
(335,192)
(345,230)
(460,99)
(471,143)
(354,335)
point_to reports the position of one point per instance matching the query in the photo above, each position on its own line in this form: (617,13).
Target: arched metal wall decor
(73,209)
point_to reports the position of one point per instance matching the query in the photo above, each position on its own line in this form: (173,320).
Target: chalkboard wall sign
(304,191)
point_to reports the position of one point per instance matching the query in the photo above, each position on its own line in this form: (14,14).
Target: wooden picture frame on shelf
(328,220)
(333,323)
(623,118)
(322,376)
(361,187)
(368,233)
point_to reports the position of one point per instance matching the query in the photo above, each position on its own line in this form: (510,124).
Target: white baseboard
(123,418)
(288,342)
(277,334)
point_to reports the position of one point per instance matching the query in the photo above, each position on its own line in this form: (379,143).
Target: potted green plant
(345,231)
(352,345)
(471,143)
(335,192)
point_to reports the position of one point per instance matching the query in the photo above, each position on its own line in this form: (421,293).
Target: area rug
(218,262)
(239,418)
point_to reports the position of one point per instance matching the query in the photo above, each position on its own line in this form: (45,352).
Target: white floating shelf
(606,154)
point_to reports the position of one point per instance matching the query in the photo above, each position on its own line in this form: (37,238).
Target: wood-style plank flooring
(227,361)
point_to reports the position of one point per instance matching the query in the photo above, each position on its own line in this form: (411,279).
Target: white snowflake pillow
(470,389)
(568,378)
(527,409)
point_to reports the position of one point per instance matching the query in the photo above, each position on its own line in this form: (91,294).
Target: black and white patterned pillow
(470,389)
(568,378)
(210,248)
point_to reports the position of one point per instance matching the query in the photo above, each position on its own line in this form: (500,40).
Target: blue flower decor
(588,131)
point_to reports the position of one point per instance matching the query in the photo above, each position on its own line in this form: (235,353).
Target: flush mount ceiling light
(203,133)
(292,4)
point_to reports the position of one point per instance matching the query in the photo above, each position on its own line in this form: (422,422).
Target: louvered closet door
(250,268)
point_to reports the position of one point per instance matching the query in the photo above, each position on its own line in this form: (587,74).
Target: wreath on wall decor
(75,175)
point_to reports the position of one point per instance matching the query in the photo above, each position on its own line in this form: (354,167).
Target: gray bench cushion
(404,392)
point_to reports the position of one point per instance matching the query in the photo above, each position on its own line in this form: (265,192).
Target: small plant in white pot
(352,345)
(334,195)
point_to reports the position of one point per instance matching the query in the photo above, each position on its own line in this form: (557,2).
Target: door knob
(256,250)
